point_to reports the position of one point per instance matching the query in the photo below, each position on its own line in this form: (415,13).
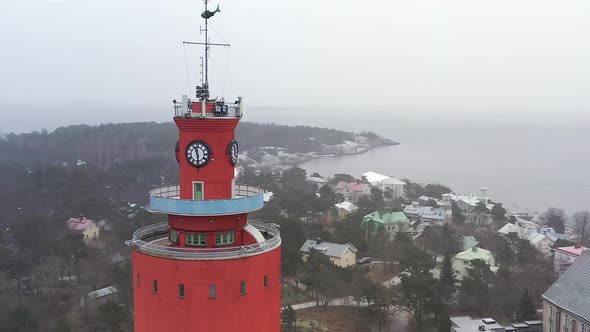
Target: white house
(468,204)
(352,191)
(392,188)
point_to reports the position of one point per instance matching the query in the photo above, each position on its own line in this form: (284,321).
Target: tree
(111,316)
(288,318)
(448,276)
(458,217)
(341,177)
(555,218)
(498,212)
(62,325)
(21,320)
(475,289)
(526,308)
(417,291)
(581,221)
(481,212)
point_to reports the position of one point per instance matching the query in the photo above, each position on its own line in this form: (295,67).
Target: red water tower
(208,268)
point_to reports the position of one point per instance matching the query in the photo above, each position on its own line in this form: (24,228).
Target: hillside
(106,144)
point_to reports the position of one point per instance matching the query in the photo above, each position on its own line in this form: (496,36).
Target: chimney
(474,249)
(577,246)
(318,240)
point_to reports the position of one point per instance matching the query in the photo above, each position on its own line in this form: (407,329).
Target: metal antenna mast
(203,89)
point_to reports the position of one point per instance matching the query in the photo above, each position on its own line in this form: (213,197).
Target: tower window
(196,239)
(265,282)
(173,236)
(212,292)
(138,280)
(224,239)
(242,288)
(155,287)
(181,291)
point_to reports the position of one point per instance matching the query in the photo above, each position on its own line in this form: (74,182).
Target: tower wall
(257,311)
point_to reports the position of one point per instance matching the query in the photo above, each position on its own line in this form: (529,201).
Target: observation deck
(153,239)
(167,200)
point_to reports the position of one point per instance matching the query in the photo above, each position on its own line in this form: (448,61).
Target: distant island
(261,145)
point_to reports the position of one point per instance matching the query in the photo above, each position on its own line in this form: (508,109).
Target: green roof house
(462,260)
(392,222)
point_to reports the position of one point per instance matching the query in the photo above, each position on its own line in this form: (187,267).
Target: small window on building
(265,282)
(225,239)
(242,288)
(138,280)
(199,240)
(173,236)
(212,292)
(155,287)
(181,291)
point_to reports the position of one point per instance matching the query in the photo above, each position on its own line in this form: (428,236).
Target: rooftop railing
(147,240)
(167,200)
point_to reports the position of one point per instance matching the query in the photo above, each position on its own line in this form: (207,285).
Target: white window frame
(202,187)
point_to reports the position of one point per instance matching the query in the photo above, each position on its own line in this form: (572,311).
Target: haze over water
(528,161)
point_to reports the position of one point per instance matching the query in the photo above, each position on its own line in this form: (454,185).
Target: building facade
(392,188)
(209,267)
(352,191)
(462,261)
(566,304)
(391,222)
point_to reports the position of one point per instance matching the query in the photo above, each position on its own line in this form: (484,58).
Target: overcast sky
(68,62)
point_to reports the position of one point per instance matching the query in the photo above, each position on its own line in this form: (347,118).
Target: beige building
(566,304)
(352,191)
(342,255)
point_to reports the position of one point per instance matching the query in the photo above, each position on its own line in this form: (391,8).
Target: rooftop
(469,242)
(375,178)
(571,292)
(386,217)
(576,250)
(355,186)
(79,224)
(474,253)
(468,324)
(346,205)
(327,248)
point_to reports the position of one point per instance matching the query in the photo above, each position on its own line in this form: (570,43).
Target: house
(352,191)
(566,304)
(476,208)
(345,208)
(86,227)
(392,222)
(542,238)
(468,324)
(566,256)
(342,255)
(426,214)
(462,261)
(391,188)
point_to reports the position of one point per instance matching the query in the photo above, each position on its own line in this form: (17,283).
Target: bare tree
(581,221)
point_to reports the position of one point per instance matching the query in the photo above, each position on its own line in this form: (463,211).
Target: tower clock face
(198,153)
(232,150)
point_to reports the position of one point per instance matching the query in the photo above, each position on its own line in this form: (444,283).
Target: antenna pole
(206,50)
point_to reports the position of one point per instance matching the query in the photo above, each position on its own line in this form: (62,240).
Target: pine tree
(448,275)
(288,317)
(526,308)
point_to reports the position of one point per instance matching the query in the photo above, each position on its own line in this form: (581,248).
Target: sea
(528,160)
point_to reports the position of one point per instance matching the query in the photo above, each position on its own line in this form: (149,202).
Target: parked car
(364,260)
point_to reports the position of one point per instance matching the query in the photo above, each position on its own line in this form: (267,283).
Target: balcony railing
(167,200)
(148,240)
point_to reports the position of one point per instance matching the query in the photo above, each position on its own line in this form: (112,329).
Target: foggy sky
(91,61)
